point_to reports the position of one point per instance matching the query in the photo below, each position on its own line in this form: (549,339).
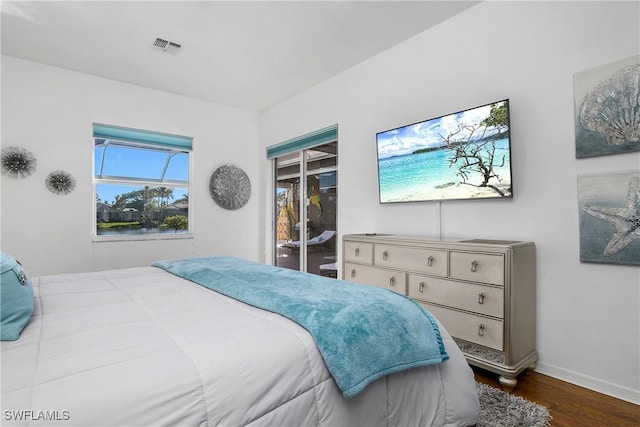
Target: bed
(159,345)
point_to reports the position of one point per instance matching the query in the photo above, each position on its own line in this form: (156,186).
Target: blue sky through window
(123,162)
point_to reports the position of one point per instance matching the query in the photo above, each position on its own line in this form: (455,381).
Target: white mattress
(142,347)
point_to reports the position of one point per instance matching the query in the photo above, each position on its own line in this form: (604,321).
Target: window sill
(137,238)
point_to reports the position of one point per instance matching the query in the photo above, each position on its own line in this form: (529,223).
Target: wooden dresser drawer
(469,327)
(481,299)
(387,279)
(425,260)
(477,267)
(358,252)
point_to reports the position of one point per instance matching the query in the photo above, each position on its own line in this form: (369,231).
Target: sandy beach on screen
(453,191)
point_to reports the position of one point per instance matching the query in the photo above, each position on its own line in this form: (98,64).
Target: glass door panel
(321,223)
(307,193)
(287,239)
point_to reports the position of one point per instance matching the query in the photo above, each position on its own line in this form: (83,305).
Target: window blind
(142,136)
(310,140)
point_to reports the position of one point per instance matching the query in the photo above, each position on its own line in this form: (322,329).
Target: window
(141,181)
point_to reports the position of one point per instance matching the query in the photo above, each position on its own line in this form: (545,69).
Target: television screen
(463,155)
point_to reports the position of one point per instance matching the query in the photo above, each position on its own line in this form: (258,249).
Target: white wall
(50,112)
(588,314)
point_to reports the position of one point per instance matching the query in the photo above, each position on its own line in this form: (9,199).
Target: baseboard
(604,387)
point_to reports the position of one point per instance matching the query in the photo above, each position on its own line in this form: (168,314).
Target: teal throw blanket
(362,332)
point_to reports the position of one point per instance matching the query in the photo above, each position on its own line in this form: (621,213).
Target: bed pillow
(16,298)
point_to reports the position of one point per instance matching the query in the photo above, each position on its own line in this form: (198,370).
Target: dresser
(482,291)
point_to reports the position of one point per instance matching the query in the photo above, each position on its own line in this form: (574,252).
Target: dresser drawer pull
(421,287)
(481,330)
(353,273)
(481,298)
(385,255)
(474,266)
(430,260)
(392,281)
(357,252)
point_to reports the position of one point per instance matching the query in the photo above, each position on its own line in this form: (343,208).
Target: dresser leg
(508,384)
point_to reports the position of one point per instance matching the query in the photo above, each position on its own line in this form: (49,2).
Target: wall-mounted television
(462,155)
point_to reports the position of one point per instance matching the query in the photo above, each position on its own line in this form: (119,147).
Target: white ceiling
(248,54)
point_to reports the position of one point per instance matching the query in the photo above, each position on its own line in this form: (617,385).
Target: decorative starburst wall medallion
(17,162)
(60,182)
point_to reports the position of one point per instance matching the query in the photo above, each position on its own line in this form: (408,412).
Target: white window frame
(138,182)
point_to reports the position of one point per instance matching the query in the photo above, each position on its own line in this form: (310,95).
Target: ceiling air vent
(167,46)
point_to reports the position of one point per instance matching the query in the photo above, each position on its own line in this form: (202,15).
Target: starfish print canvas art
(610,218)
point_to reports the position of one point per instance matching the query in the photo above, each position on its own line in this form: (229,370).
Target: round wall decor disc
(230,187)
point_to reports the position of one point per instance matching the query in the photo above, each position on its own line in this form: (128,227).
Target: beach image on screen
(464,155)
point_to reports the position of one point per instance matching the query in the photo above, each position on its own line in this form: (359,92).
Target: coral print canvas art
(607,109)
(610,217)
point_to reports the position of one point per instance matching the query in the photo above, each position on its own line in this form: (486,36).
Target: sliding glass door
(306,209)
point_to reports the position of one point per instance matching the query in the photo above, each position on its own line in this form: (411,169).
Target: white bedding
(142,347)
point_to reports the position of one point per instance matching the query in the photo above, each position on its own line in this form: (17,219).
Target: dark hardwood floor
(570,405)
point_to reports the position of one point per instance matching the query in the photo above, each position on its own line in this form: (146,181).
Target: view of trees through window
(138,210)
(140,189)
